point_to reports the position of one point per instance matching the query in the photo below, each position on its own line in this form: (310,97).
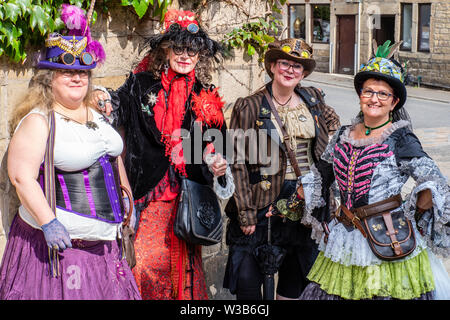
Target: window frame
(289,16)
(312,23)
(402,21)
(419,28)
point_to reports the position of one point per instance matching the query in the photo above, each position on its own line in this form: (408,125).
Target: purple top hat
(67,52)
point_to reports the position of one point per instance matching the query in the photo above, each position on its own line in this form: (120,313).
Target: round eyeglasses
(191,52)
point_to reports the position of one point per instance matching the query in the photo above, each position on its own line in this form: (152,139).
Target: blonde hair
(39,95)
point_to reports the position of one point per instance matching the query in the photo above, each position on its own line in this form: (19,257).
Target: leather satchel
(128,233)
(390,235)
(199,218)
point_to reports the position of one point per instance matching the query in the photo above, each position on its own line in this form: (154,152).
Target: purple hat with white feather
(76,50)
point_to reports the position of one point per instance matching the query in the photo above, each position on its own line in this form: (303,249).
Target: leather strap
(351,217)
(391,233)
(285,138)
(388,204)
(49,170)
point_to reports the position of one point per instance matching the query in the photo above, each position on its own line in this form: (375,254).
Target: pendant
(367,131)
(302,118)
(91,125)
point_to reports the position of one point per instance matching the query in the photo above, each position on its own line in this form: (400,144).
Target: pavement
(343,80)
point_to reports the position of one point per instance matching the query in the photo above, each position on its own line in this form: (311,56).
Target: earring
(361,114)
(166,67)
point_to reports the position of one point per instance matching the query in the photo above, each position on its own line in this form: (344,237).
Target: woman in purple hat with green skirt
(381,243)
(71,252)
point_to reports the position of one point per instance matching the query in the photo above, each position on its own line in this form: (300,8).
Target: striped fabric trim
(49,171)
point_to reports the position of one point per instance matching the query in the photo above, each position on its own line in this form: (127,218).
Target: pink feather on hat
(75,20)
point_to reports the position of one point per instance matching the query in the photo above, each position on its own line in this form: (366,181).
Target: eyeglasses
(68,58)
(191,52)
(297,68)
(381,95)
(84,74)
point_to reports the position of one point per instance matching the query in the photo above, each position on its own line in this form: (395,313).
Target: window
(423,43)
(406,26)
(297,21)
(321,23)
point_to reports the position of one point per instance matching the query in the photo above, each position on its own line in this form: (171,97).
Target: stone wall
(121,34)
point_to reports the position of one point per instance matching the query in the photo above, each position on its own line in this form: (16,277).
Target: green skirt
(406,279)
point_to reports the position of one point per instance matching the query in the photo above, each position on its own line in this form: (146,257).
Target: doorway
(386,30)
(345,44)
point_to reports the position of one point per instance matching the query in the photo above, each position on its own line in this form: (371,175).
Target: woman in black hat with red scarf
(158,107)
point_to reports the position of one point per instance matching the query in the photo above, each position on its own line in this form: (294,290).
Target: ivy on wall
(25,23)
(254,36)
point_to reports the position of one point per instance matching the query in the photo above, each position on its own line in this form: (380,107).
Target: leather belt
(353,217)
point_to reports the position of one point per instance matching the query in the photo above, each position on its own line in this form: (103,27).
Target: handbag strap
(352,218)
(49,170)
(290,153)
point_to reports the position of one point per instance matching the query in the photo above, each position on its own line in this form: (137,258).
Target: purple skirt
(91,270)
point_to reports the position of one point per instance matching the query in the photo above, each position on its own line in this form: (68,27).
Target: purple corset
(93,192)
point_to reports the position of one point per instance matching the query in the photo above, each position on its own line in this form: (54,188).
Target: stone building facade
(341,32)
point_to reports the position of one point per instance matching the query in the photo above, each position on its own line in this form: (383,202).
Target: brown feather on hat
(290,49)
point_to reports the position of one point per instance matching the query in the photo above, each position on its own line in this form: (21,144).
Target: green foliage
(254,37)
(25,23)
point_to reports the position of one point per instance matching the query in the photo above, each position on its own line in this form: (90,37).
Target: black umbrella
(269,258)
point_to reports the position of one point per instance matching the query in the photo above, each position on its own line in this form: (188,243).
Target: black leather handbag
(199,218)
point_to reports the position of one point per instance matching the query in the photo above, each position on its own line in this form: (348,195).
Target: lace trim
(345,136)
(226,192)
(312,186)
(432,222)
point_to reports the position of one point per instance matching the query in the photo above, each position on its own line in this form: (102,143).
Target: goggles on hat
(191,27)
(69,59)
(303,54)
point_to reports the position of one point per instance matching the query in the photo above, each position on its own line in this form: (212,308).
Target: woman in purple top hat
(73,251)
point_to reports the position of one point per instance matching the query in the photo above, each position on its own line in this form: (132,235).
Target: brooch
(152,98)
(265,111)
(259,123)
(302,118)
(265,185)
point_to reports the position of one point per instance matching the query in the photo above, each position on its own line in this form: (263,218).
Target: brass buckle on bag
(394,243)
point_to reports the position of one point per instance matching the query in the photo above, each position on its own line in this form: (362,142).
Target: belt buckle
(353,221)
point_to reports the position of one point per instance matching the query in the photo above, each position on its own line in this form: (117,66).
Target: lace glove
(126,205)
(56,235)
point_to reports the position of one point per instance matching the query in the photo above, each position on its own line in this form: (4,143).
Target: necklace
(89,124)
(369,129)
(282,104)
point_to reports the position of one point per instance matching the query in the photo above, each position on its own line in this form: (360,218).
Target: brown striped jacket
(251,114)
